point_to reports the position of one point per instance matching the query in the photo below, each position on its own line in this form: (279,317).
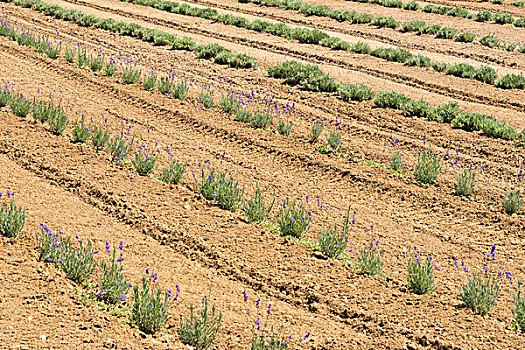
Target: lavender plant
(130,73)
(181,90)
(119,147)
(229,103)
(220,189)
(284,128)
(334,140)
(58,120)
(149,308)
(173,173)
(5,97)
(262,119)
(95,62)
(110,67)
(99,137)
(80,133)
(464,185)
(150,81)
(113,286)
(333,242)
(206,97)
(47,243)
(369,260)
(420,275)
(243,115)
(199,331)
(396,163)
(316,131)
(21,106)
(166,84)
(428,167)
(69,54)
(293,221)
(512,202)
(480,294)
(143,164)
(12,220)
(82,58)
(518,313)
(256,210)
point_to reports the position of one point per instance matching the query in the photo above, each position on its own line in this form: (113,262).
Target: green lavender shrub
(80,133)
(480,294)
(369,259)
(396,163)
(99,137)
(143,164)
(255,209)
(464,185)
(21,106)
(199,331)
(284,128)
(119,147)
(173,173)
(315,131)
(113,286)
(420,275)
(224,191)
(334,140)
(149,307)
(293,220)
(332,242)
(12,220)
(518,312)
(512,202)
(428,166)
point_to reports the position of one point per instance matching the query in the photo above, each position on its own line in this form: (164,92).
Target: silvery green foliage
(256,210)
(12,220)
(80,133)
(369,260)
(334,140)
(222,190)
(428,166)
(316,131)
(143,164)
(284,128)
(293,220)
(173,173)
(464,185)
(113,285)
(99,137)
(149,308)
(518,313)
(420,275)
(480,294)
(512,202)
(397,162)
(199,331)
(333,242)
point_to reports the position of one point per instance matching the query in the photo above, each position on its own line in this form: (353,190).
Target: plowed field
(217,254)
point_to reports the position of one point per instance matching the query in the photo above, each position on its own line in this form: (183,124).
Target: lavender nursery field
(262,174)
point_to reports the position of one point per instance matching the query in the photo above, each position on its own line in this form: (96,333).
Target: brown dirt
(189,241)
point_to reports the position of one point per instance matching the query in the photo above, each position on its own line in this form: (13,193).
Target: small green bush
(256,210)
(390,99)
(464,37)
(284,128)
(80,133)
(225,192)
(199,331)
(293,221)
(362,48)
(148,309)
(464,185)
(334,140)
(150,81)
(206,98)
(173,173)
(512,202)
(21,106)
(143,164)
(332,242)
(489,40)
(511,81)
(396,163)
(12,220)
(428,167)
(351,92)
(508,46)
(446,33)
(113,286)
(483,16)
(412,26)
(369,260)
(420,275)
(119,147)
(99,137)
(503,18)
(130,74)
(480,294)
(316,131)
(518,313)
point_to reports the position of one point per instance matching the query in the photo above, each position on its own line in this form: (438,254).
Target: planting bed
(202,251)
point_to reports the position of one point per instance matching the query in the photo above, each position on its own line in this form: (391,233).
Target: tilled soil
(209,251)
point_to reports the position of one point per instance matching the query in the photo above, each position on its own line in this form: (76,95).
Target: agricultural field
(262,174)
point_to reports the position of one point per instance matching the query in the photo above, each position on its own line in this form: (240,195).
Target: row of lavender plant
(453,11)
(219,54)
(308,36)
(420,27)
